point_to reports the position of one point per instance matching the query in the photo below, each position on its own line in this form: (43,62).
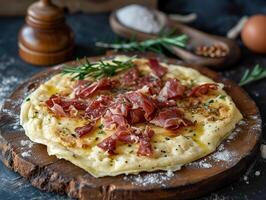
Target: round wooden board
(51,174)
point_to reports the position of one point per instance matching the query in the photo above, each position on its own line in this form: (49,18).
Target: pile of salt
(139,18)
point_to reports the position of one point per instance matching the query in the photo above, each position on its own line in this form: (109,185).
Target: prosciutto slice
(145,147)
(170,118)
(126,134)
(98,107)
(157,69)
(84,90)
(136,116)
(130,78)
(61,107)
(202,89)
(110,121)
(108,144)
(154,84)
(84,130)
(172,89)
(142,101)
(121,106)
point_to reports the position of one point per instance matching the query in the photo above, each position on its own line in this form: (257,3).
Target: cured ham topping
(111,121)
(154,84)
(136,116)
(202,89)
(166,103)
(84,90)
(61,107)
(108,144)
(129,135)
(120,106)
(126,134)
(172,89)
(130,78)
(158,69)
(152,100)
(142,101)
(170,118)
(145,147)
(84,130)
(58,110)
(98,107)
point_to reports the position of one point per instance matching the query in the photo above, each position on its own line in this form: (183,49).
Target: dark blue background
(213,16)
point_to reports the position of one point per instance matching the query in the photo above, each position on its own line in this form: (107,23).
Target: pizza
(127,115)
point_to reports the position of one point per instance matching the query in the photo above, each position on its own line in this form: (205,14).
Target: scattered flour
(201,164)
(26,143)
(224,155)
(6,61)
(256,93)
(246,179)
(257,173)
(150,179)
(26,146)
(7,84)
(26,154)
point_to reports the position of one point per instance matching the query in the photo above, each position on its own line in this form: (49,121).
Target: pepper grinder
(45,39)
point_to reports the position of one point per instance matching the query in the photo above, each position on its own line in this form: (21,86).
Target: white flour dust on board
(26,146)
(26,143)
(7,84)
(150,179)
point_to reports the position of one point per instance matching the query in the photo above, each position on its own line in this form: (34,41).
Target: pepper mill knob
(45,39)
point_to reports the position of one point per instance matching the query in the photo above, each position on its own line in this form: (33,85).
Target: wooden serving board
(54,175)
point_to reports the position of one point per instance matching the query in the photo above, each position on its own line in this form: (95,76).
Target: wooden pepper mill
(45,39)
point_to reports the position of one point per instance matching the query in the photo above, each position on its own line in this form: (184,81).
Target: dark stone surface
(214,16)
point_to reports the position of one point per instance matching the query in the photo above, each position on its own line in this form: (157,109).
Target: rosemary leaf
(255,74)
(99,69)
(147,45)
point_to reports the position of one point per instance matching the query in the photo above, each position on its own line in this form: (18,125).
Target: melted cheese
(170,151)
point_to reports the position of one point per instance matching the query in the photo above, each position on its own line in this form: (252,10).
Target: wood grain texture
(51,174)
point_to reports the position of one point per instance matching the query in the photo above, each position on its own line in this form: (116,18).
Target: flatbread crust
(170,151)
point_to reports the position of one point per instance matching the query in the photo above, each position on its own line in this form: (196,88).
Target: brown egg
(253,33)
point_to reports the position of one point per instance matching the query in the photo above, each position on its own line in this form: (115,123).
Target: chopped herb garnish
(222,97)
(167,138)
(101,126)
(255,74)
(206,104)
(28,99)
(101,132)
(99,69)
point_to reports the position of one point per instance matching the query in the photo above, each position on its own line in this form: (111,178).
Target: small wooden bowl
(196,38)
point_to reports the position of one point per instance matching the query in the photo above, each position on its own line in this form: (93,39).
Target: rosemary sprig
(154,45)
(255,74)
(99,69)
